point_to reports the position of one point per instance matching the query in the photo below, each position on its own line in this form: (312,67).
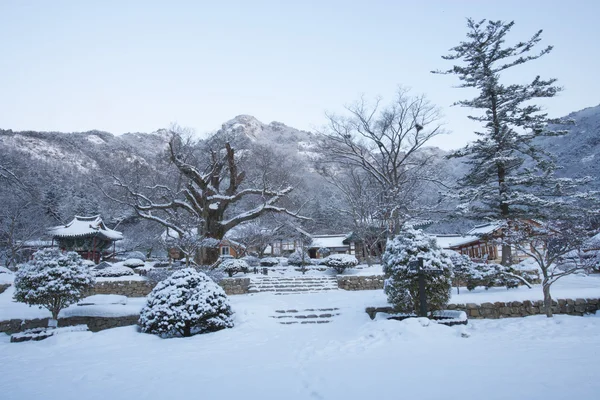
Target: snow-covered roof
(449,241)
(85,226)
(329,241)
(485,229)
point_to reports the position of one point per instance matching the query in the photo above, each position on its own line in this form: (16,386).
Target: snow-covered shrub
(324,252)
(339,262)
(232,266)
(133,263)
(88,263)
(402,283)
(156,275)
(462,268)
(252,261)
(186,303)
(298,257)
(114,271)
(52,280)
(216,274)
(135,254)
(283,261)
(269,261)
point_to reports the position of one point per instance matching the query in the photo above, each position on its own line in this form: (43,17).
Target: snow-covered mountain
(274,134)
(80,158)
(578,152)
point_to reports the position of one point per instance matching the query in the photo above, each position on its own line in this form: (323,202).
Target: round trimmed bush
(269,261)
(133,263)
(114,271)
(252,261)
(339,262)
(185,304)
(299,257)
(232,266)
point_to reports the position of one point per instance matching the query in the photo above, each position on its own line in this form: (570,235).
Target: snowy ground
(350,358)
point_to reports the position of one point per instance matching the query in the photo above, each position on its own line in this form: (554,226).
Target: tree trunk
(187,330)
(53,322)
(547,298)
(209,255)
(506,255)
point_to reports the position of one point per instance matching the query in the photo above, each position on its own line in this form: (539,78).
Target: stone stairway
(290,285)
(306,316)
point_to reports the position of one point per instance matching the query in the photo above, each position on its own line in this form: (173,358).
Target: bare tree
(556,247)
(212,192)
(374,156)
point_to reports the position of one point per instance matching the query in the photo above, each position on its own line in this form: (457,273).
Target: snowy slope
(578,152)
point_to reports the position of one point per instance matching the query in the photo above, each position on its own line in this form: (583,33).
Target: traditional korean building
(87,236)
(481,243)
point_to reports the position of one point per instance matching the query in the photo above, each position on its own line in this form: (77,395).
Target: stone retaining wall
(235,285)
(374,282)
(4,287)
(95,324)
(513,308)
(123,288)
(525,308)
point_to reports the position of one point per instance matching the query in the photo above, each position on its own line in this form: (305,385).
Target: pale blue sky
(137,66)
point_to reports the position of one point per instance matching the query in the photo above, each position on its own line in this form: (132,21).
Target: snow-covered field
(351,357)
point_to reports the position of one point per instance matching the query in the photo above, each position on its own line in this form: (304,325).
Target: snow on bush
(324,252)
(133,262)
(402,284)
(232,266)
(252,260)
(269,261)
(185,304)
(470,274)
(156,275)
(298,257)
(114,271)
(52,280)
(339,262)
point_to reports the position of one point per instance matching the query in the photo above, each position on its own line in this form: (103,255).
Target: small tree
(299,257)
(185,304)
(232,266)
(339,262)
(402,282)
(52,280)
(555,247)
(462,268)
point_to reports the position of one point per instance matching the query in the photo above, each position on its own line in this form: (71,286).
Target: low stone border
(123,288)
(95,324)
(358,282)
(235,285)
(527,307)
(513,308)
(4,287)
(143,288)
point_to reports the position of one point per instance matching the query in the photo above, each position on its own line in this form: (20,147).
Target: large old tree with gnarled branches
(212,189)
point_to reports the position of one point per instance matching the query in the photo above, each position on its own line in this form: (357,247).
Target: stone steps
(291,285)
(306,316)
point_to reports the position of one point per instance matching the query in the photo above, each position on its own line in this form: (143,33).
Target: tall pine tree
(510,177)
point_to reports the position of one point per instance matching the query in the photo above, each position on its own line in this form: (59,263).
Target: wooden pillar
(94,251)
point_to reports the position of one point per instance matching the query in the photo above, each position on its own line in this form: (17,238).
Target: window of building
(225,250)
